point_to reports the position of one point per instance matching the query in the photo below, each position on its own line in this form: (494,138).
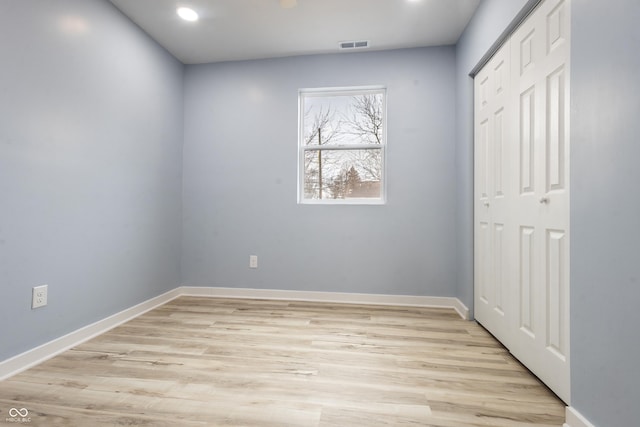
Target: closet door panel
(541,45)
(492,171)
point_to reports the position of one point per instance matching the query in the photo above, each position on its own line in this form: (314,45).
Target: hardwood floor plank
(236,362)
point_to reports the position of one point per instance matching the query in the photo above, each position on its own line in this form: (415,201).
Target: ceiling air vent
(361,44)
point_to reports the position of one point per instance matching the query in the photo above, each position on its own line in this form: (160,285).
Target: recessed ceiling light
(288,4)
(187,14)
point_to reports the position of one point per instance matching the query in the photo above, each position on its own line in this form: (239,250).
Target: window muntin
(342,143)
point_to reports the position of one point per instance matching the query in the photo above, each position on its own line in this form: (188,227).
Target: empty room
(319,213)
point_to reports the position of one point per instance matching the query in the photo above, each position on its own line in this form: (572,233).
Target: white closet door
(540,54)
(492,171)
(522,195)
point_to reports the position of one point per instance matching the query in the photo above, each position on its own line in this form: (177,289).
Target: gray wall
(605,211)
(90,167)
(240,174)
(488,23)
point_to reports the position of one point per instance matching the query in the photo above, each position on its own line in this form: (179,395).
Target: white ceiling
(250,29)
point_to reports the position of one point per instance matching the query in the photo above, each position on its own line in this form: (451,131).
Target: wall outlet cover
(39,296)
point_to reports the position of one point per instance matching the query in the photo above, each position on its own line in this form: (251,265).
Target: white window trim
(342,91)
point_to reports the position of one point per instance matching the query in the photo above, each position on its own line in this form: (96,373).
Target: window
(342,140)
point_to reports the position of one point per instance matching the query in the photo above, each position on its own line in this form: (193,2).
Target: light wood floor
(225,362)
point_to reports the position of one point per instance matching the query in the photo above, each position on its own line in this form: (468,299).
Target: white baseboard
(575,419)
(24,361)
(337,297)
(50,349)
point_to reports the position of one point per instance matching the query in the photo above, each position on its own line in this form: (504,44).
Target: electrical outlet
(39,296)
(253,261)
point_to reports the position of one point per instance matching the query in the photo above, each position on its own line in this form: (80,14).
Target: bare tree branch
(324,124)
(365,121)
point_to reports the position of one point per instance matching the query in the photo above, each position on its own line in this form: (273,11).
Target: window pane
(343,119)
(342,174)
